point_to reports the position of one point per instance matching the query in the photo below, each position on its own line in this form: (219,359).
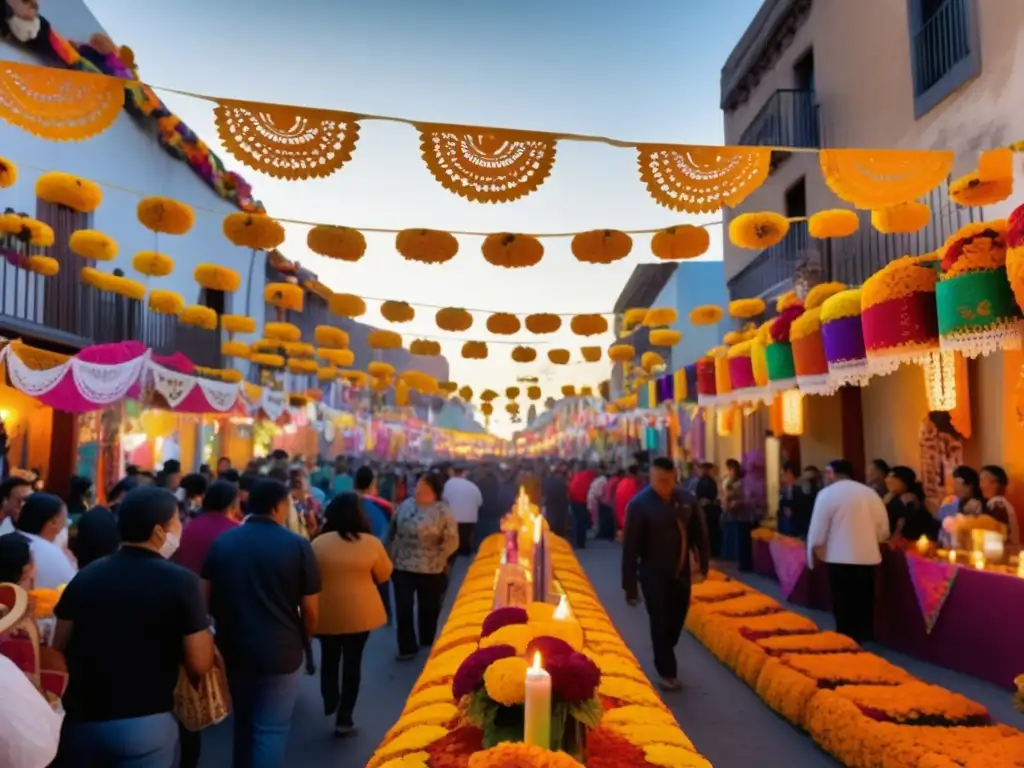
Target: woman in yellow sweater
(352,562)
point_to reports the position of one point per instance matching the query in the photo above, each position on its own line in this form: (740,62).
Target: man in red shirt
(579,486)
(222,511)
(627,488)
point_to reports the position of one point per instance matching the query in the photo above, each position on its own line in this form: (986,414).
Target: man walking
(464,499)
(665,542)
(848,523)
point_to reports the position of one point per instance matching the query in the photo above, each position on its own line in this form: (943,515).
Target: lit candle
(563,612)
(1020,567)
(978,560)
(922,545)
(537,709)
(952,557)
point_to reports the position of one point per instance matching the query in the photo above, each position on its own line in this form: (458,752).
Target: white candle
(563,612)
(537,709)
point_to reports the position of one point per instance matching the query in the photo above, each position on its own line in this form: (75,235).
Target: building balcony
(788,119)
(772,270)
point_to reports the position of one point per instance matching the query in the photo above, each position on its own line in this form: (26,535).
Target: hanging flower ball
(72,192)
(47,266)
(503,324)
(327,374)
(425,348)
(820,293)
(543,323)
(512,251)
(235,349)
(678,243)
(588,325)
(744,309)
(255,231)
(902,219)
(586,391)
(397,311)
(488,395)
(299,349)
(36,232)
(165,302)
(302,366)
(380,385)
(621,353)
(120,286)
(330,337)
(453,319)
(486,409)
(732,338)
(8,173)
(152,264)
(199,317)
(633,317)
(592,354)
(651,360)
(282,332)
(558,356)
(656,316)
(512,408)
(568,390)
(448,387)
(601,246)
(355,378)
(380,370)
(665,337)
(342,243)
(787,300)
(474,350)
(90,244)
(237,324)
(512,392)
(264,360)
(342,358)
(835,222)
(466,393)
(707,314)
(533,392)
(162,214)
(378,339)
(972,191)
(757,231)
(284,296)
(346,305)
(524,354)
(214,277)
(427,246)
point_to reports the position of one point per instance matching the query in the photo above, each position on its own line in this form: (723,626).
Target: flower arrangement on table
(467,709)
(961,528)
(857,706)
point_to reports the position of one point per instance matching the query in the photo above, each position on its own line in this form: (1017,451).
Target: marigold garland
(821,293)
(302,366)
(91,244)
(342,243)
(413,740)
(346,305)
(488,394)
(559,356)
(601,246)
(255,231)
(902,219)
(656,316)
(453,319)
(378,339)
(683,242)
(427,246)
(299,349)
(164,215)
(39,233)
(486,409)
(46,266)
(503,324)
(284,296)
(533,392)
(235,349)
(466,393)
(397,311)
(152,264)
(633,317)
(621,353)
(898,279)
(238,324)
(329,337)
(521,755)
(651,360)
(972,191)
(121,286)
(592,354)
(355,378)
(70,191)
(542,323)
(758,231)
(198,316)
(474,350)
(588,325)
(512,251)
(833,223)
(282,331)
(746,309)
(165,302)
(8,173)
(707,314)
(665,337)
(425,348)
(448,387)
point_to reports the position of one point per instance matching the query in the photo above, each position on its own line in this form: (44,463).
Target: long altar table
(975,616)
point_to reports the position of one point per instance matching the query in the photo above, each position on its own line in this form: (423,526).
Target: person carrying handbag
(665,550)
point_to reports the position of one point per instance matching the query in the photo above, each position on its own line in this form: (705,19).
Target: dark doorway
(803,72)
(796,199)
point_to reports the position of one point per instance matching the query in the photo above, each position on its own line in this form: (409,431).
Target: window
(796,200)
(803,72)
(945,51)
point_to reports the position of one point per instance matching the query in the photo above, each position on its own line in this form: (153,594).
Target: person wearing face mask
(44,521)
(126,624)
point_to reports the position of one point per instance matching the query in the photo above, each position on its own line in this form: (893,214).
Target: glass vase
(574,740)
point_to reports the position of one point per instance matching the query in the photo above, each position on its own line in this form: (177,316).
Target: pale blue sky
(643,71)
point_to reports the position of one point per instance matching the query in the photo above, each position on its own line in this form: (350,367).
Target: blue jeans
(136,742)
(263,708)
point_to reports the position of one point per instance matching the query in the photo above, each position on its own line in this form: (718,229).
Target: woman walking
(422,536)
(352,564)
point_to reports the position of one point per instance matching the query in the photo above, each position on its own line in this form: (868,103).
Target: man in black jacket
(664,533)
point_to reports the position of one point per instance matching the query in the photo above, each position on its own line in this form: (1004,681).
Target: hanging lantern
(705,373)
(940,379)
(792,405)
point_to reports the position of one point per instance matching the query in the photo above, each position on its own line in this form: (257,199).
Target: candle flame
(563,611)
(952,556)
(537,530)
(536,662)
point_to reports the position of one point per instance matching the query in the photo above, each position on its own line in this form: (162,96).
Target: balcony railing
(788,119)
(942,42)
(772,269)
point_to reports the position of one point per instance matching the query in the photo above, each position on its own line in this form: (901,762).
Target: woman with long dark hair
(909,518)
(352,563)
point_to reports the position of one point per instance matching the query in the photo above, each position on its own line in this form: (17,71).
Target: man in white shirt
(44,521)
(848,523)
(13,492)
(464,499)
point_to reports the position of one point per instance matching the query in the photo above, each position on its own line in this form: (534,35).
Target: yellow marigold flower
(434,714)
(836,222)
(540,612)
(516,635)
(411,760)
(412,740)
(757,231)
(971,190)
(521,755)
(843,304)
(821,292)
(902,219)
(505,680)
(708,314)
(628,691)
(162,214)
(633,714)
(669,756)
(569,631)
(439,694)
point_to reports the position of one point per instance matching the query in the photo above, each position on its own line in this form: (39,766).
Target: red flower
(607,749)
(455,749)
(953,254)
(502,617)
(470,674)
(548,647)
(779,329)
(574,677)
(1015,228)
